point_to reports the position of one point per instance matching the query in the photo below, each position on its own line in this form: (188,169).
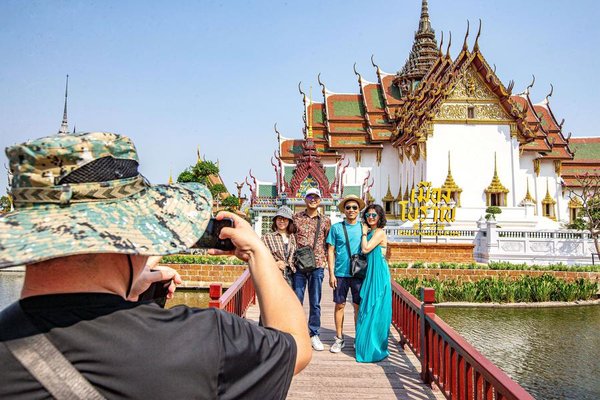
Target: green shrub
(503,290)
(506,266)
(197,259)
(399,265)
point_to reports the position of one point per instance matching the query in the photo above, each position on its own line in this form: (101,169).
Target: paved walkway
(339,376)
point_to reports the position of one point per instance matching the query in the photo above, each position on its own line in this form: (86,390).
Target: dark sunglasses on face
(348,208)
(312,197)
(371,215)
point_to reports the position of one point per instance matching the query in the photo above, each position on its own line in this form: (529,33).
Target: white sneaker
(316,343)
(338,345)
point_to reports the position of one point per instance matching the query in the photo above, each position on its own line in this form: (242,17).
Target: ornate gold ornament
(557,167)
(536,166)
(358,156)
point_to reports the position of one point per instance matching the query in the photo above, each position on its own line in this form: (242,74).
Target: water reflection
(192,298)
(554,353)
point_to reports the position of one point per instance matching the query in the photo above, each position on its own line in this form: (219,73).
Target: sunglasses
(312,197)
(348,208)
(371,215)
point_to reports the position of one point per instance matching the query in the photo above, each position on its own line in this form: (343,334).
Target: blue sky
(175,75)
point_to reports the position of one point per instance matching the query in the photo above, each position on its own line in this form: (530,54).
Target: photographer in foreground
(85,224)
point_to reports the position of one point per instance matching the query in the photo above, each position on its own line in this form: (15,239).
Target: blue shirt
(337,239)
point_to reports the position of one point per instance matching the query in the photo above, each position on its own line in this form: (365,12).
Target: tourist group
(353,250)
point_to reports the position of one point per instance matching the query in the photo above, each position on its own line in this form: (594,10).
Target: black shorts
(340,293)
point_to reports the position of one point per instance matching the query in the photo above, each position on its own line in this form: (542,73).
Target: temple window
(575,206)
(470,112)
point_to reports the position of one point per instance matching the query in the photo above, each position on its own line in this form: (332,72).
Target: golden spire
(449,183)
(548,199)
(528,197)
(496,186)
(388,195)
(198,153)
(170,177)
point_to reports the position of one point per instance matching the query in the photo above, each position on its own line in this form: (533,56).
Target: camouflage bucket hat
(81,193)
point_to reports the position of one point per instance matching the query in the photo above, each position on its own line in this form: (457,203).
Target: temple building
(440,122)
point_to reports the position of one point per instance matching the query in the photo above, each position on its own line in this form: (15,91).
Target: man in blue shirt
(340,276)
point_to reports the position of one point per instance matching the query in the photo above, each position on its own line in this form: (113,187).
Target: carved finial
(494,68)
(449,44)
(549,94)
(466,36)
(561,124)
(321,83)
(476,45)
(569,136)
(510,87)
(300,88)
(530,85)
(357,74)
(441,44)
(278,134)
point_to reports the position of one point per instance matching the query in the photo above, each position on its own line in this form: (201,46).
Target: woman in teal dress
(375,311)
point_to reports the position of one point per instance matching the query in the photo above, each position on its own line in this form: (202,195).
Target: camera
(210,239)
(157,292)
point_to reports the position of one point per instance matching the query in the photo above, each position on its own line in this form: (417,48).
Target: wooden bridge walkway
(339,376)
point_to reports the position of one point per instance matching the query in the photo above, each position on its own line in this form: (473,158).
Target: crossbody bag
(358,262)
(304,258)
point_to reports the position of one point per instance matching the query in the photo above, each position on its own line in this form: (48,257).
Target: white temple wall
(472,149)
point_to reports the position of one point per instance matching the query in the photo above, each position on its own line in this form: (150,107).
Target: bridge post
(427,308)
(215,290)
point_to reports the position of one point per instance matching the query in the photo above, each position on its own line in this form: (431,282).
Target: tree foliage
(217,189)
(231,202)
(588,217)
(205,168)
(492,211)
(199,172)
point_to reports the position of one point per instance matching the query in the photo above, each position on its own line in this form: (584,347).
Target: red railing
(237,299)
(447,359)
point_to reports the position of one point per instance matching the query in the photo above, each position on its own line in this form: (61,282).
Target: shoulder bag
(304,258)
(358,262)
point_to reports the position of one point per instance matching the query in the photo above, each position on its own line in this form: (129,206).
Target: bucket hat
(285,212)
(351,197)
(82,193)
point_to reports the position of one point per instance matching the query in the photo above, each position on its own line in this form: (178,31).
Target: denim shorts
(340,293)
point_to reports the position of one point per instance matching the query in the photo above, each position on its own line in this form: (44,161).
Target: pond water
(554,353)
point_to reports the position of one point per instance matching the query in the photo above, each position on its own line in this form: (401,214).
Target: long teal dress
(375,311)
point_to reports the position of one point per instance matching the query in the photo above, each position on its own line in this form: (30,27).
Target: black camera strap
(46,363)
(347,243)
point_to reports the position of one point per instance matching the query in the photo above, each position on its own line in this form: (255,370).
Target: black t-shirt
(140,351)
